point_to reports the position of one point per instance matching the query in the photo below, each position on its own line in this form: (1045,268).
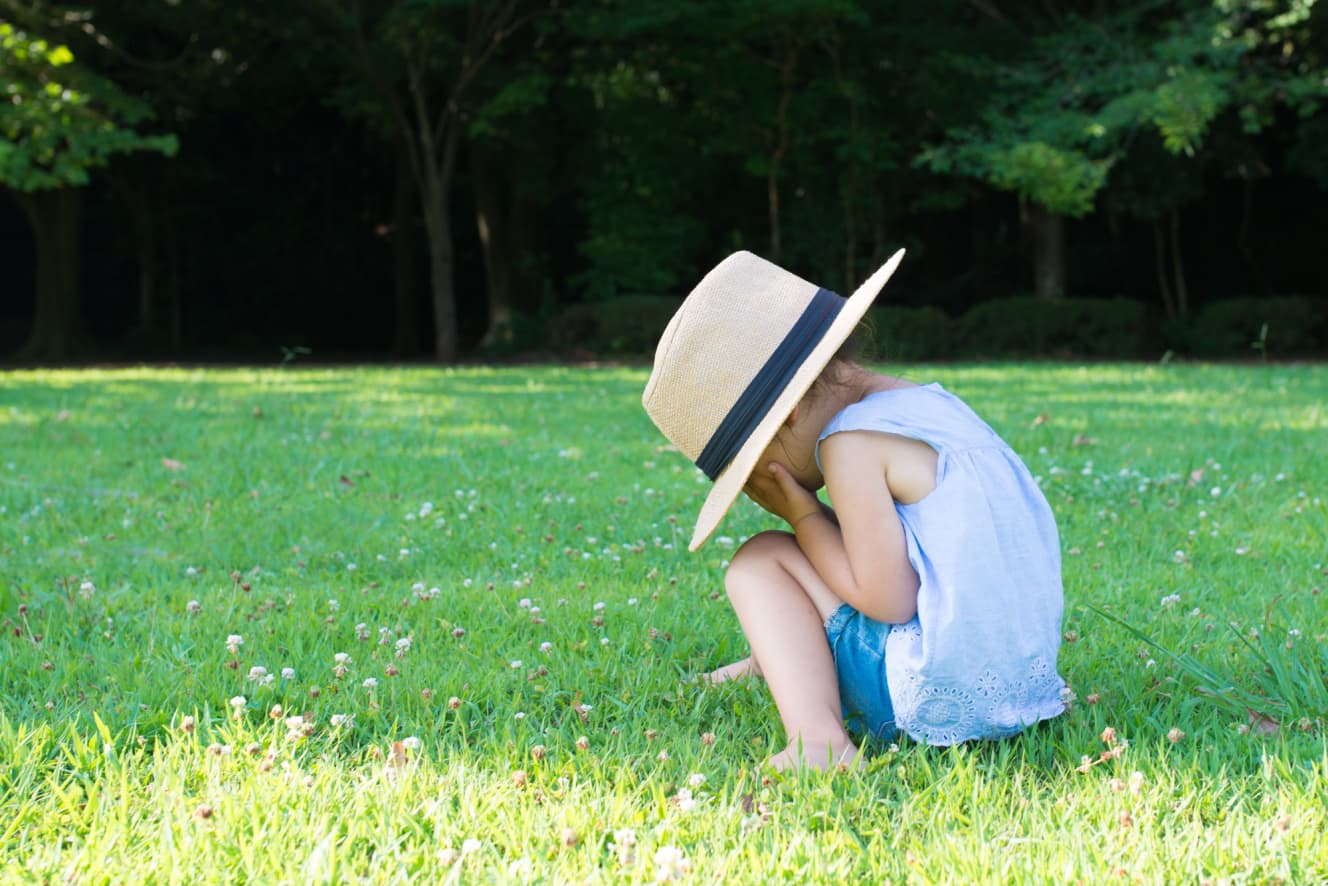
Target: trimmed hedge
(628,324)
(1026,327)
(1000,328)
(1232,328)
(910,334)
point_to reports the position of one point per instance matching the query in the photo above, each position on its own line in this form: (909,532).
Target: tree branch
(989,9)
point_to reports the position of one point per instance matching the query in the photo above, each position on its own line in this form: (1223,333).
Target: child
(929,599)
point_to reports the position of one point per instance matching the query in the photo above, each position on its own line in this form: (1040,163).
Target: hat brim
(734,477)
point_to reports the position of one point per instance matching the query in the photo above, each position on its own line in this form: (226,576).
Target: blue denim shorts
(858,646)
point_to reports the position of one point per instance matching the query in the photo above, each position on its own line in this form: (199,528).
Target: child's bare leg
(783,605)
(746,667)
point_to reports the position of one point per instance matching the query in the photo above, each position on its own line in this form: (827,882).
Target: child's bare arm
(864,559)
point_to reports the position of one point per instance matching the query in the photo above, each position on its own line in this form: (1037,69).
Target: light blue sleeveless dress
(979,659)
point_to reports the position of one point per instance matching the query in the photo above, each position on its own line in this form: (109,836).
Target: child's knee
(756,557)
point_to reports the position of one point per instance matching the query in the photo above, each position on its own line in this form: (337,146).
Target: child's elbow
(894,602)
(889,605)
(898,614)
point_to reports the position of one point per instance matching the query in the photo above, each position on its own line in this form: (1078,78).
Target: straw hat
(735,360)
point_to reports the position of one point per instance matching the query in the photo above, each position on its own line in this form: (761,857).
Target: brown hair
(848,357)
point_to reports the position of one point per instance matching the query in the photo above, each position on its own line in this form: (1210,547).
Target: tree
(1071,106)
(708,117)
(58,122)
(412,68)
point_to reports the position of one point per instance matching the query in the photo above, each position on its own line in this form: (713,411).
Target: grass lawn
(436,625)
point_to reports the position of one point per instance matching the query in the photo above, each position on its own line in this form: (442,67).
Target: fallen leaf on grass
(1263,723)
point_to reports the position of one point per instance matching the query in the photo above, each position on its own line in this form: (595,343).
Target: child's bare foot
(824,754)
(745,668)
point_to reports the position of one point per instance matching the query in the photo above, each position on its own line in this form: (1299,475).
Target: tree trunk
(1260,279)
(54,215)
(1048,230)
(405,335)
(1160,268)
(438,228)
(146,235)
(495,241)
(787,68)
(134,186)
(1178,266)
(174,304)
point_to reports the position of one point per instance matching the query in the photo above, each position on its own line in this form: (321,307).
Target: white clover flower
(516,663)
(288,673)
(234,642)
(239,701)
(685,801)
(257,673)
(370,683)
(1170,600)
(411,743)
(295,724)
(598,606)
(471,845)
(193,607)
(342,721)
(191,570)
(546,647)
(524,603)
(361,631)
(402,647)
(86,590)
(695,780)
(333,605)
(670,864)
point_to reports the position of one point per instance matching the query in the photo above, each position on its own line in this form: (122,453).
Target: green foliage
(627,324)
(1081,327)
(58,120)
(1066,109)
(1285,326)
(911,334)
(1063,181)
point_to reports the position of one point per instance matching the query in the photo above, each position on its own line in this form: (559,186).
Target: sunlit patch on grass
(308,624)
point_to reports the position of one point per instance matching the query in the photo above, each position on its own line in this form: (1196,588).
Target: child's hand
(776,490)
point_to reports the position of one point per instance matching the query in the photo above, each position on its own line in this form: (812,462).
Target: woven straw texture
(719,339)
(716,344)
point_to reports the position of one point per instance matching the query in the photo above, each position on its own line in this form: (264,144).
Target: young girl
(929,598)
